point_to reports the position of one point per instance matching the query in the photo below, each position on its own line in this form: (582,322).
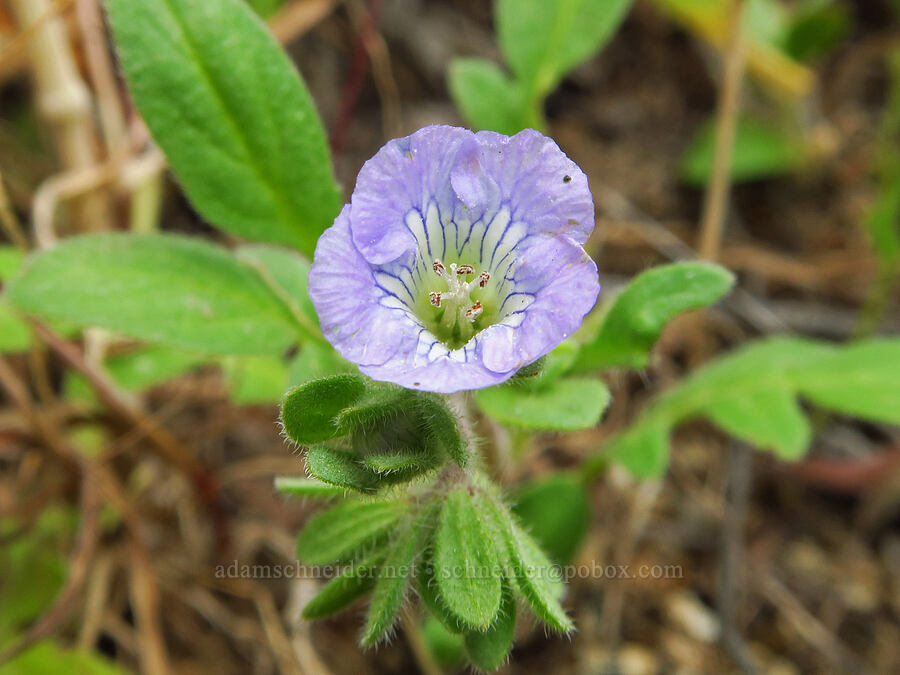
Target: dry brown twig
(296,18)
(715,203)
(8,221)
(64,102)
(168,447)
(14,48)
(145,601)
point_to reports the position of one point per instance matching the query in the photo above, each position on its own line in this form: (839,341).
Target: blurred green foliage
(541,40)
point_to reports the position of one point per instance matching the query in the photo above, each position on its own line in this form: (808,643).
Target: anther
(465,269)
(438,267)
(483,278)
(435,299)
(474,311)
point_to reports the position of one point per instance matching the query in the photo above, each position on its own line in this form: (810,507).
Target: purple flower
(458,260)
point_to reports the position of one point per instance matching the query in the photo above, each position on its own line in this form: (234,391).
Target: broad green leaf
(489,99)
(393,580)
(488,649)
(816,28)
(642,449)
(308,412)
(342,469)
(556,512)
(766,20)
(315,360)
(861,379)
(750,369)
(560,360)
(768,419)
(255,380)
(345,530)
(265,7)
(568,404)
(10,261)
(751,393)
(46,658)
(640,312)
(32,568)
(760,151)
(15,335)
(286,273)
(167,289)
(343,590)
(232,115)
(465,563)
(538,580)
(883,221)
(136,370)
(306,487)
(543,40)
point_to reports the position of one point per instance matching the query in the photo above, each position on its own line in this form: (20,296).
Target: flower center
(459,312)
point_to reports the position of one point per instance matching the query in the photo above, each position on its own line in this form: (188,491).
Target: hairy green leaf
(465,563)
(567,404)
(488,649)
(539,581)
(640,312)
(401,460)
(342,469)
(231,114)
(381,405)
(343,590)
(440,428)
(393,580)
(446,646)
(306,487)
(430,594)
(345,530)
(160,288)
(308,412)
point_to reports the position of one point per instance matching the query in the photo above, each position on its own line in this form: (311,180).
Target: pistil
(459,307)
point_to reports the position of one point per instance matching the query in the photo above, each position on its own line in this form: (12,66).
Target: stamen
(438,267)
(465,269)
(474,311)
(435,299)
(483,278)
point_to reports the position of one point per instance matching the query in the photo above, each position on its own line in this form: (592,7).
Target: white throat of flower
(456,300)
